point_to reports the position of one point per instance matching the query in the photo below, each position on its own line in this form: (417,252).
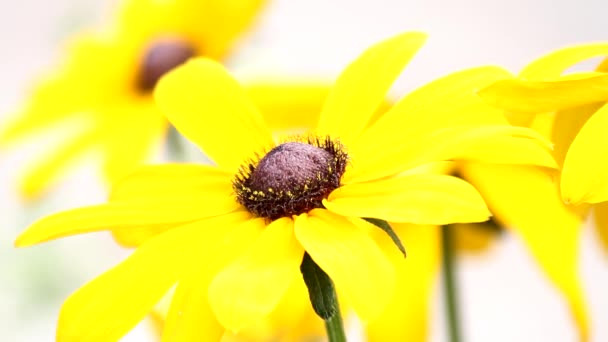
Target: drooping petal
(287,105)
(557,62)
(155,215)
(601,223)
(527,200)
(407,316)
(44,172)
(584,174)
(416,198)
(190,317)
(475,238)
(210,108)
(252,286)
(109,306)
(491,143)
(350,257)
(547,96)
(566,125)
(364,85)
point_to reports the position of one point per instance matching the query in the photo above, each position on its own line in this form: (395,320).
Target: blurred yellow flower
(105,83)
(232,236)
(568,109)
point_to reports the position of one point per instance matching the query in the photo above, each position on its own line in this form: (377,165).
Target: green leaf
(320,288)
(388,230)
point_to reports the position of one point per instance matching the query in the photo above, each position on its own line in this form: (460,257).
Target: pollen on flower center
(161,57)
(292,178)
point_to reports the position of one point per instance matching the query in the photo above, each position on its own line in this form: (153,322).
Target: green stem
(449,282)
(335,327)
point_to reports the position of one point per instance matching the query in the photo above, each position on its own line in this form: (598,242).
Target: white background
(504,296)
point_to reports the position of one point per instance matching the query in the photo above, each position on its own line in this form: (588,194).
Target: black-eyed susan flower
(104,84)
(560,105)
(233,236)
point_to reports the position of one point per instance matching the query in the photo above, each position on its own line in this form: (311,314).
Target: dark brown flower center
(162,56)
(292,178)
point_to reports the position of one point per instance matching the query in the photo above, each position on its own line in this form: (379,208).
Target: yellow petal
(417,198)
(601,223)
(47,105)
(557,62)
(118,216)
(584,171)
(190,317)
(109,306)
(566,125)
(351,259)
(52,166)
(526,199)
(252,286)
(205,185)
(491,143)
(210,108)
(288,104)
(363,86)
(173,181)
(407,316)
(131,138)
(446,102)
(536,97)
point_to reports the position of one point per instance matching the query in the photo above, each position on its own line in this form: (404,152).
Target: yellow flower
(104,85)
(232,236)
(568,109)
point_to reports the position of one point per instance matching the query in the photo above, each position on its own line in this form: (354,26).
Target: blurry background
(504,297)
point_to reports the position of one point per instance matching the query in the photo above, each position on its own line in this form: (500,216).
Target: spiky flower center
(292,178)
(161,57)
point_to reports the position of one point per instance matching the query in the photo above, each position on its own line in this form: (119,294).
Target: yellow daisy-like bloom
(232,236)
(517,185)
(568,109)
(105,83)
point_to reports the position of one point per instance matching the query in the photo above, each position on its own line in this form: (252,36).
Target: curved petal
(526,199)
(252,286)
(131,137)
(601,223)
(446,102)
(109,306)
(351,258)
(211,109)
(287,105)
(363,86)
(407,316)
(117,216)
(190,317)
(416,198)
(584,172)
(492,143)
(557,62)
(557,94)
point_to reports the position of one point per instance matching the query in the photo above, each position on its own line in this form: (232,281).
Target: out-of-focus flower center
(292,178)
(162,56)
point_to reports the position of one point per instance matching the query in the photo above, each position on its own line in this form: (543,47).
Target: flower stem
(449,282)
(335,327)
